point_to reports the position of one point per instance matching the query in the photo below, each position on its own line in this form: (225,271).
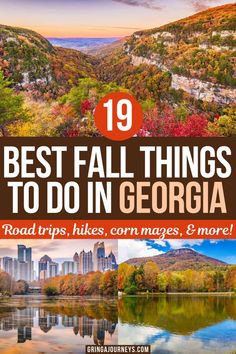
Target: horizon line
(79,37)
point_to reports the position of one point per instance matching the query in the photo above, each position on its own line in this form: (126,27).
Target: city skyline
(92,18)
(24,266)
(54,248)
(23,321)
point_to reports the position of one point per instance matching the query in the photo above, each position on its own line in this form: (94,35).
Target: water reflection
(91,322)
(179,324)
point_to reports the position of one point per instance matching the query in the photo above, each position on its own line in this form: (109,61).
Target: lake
(179,324)
(34,325)
(172,324)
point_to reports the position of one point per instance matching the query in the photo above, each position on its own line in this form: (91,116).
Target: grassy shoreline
(58,297)
(227,293)
(97,297)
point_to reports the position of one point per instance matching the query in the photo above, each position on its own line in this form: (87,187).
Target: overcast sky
(96,18)
(56,249)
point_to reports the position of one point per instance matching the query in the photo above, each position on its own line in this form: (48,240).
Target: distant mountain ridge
(85,45)
(179,259)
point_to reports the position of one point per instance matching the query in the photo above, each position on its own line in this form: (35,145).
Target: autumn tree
(151,271)
(50,291)
(109,283)
(93,283)
(225,124)
(124,272)
(162,282)
(230,279)
(11,105)
(21,287)
(6,283)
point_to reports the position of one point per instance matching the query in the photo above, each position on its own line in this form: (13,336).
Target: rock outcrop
(201,90)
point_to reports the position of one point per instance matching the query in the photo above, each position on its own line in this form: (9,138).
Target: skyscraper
(86,262)
(77,261)
(69,267)
(47,268)
(7,263)
(24,268)
(107,263)
(113,261)
(53,269)
(98,252)
(24,253)
(76,257)
(21,268)
(43,263)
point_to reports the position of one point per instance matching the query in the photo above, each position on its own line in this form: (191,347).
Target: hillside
(31,62)
(183,74)
(106,49)
(181,259)
(195,55)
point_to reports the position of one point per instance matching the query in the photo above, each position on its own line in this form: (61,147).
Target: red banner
(118,229)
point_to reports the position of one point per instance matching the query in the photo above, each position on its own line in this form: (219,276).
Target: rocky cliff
(198,52)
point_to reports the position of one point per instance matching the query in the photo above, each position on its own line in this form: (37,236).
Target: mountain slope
(197,52)
(31,62)
(181,259)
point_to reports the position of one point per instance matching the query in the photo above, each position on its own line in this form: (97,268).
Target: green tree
(11,105)
(226,124)
(162,282)
(50,291)
(132,290)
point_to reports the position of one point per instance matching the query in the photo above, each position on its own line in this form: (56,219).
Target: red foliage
(71,133)
(86,106)
(195,125)
(166,124)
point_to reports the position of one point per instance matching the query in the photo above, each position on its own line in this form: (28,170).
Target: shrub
(132,290)
(50,291)
(226,124)
(11,105)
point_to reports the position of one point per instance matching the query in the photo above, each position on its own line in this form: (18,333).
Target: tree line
(94,283)
(8,286)
(149,278)
(72,114)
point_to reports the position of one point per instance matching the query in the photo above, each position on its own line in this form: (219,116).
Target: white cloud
(171,343)
(136,248)
(127,333)
(215,241)
(175,244)
(139,248)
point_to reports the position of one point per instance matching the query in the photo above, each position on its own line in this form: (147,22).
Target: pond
(179,324)
(35,325)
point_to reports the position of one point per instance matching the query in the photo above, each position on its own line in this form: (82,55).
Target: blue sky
(224,250)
